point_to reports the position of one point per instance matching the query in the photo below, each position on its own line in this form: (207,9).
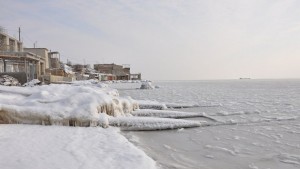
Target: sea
(255,124)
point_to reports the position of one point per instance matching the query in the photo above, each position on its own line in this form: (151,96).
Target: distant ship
(245,78)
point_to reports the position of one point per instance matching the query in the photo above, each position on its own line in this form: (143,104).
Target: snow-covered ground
(57,147)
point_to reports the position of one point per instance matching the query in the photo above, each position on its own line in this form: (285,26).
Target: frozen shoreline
(255,125)
(80,104)
(256,128)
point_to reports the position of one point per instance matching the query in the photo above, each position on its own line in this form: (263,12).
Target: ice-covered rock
(32,83)
(147,85)
(7,80)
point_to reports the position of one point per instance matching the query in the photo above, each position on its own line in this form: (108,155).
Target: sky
(166,39)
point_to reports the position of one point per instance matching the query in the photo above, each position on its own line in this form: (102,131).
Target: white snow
(57,147)
(255,124)
(83,104)
(61,104)
(32,83)
(91,82)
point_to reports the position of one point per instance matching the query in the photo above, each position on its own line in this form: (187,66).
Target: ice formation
(147,85)
(62,105)
(150,104)
(166,113)
(147,104)
(151,123)
(85,103)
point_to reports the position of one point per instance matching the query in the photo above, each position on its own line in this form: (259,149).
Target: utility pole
(20,34)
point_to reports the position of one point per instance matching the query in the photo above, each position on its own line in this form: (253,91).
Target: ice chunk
(180,105)
(147,85)
(151,123)
(166,113)
(148,104)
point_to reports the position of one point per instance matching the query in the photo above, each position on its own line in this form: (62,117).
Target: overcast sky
(166,39)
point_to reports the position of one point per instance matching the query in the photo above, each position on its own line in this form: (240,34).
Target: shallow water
(257,124)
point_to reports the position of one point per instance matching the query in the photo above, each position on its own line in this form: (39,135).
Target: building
(54,60)
(118,71)
(14,59)
(136,76)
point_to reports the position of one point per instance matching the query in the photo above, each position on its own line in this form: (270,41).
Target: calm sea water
(260,124)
